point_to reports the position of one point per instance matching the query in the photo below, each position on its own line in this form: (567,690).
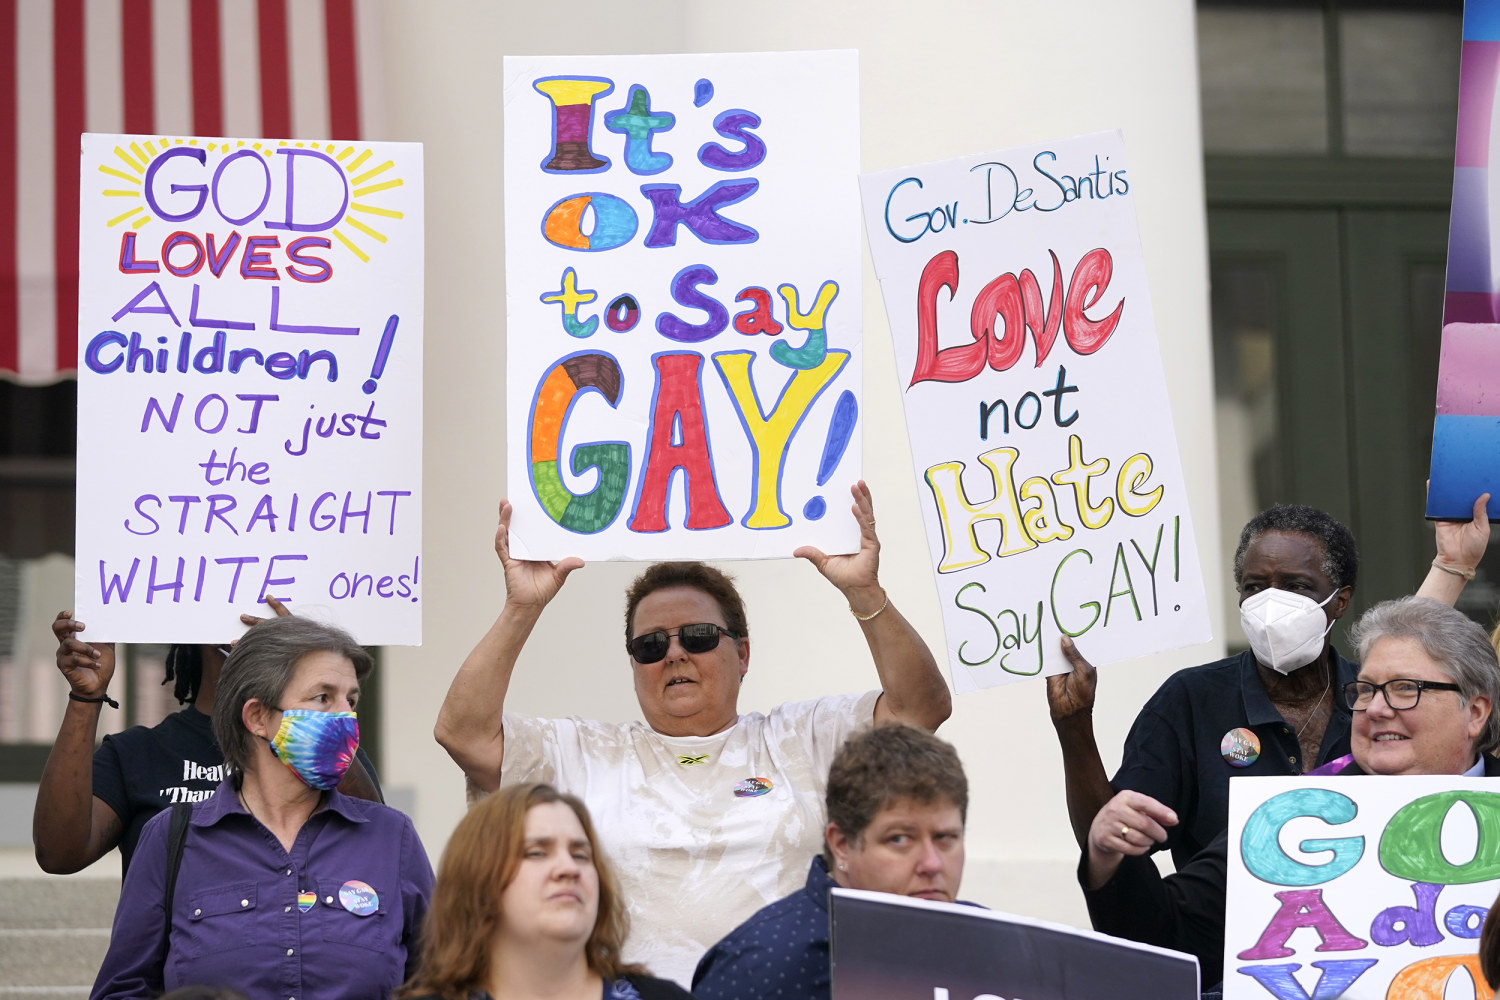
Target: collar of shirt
(226,801)
(819,882)
(1258,708)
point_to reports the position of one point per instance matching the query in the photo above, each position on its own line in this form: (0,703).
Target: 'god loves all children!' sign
(1359,887)
(683,284)
(1028,364)
(249,386)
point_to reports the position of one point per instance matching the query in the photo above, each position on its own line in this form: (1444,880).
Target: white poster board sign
(683,304)
(249,386)
(1036,407)
(1359,887)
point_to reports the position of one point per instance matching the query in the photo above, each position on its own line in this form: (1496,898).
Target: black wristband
(104,698)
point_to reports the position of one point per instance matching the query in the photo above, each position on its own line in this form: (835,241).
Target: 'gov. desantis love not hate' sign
(1036,405)
(683,304)
(249,411)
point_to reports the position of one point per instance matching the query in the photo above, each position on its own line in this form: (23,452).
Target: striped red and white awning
(242,68)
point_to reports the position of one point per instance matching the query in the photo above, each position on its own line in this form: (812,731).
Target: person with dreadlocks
(91,801)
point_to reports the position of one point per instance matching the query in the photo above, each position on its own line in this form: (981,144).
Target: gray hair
(261,666)
(1340,554)
(1451,639)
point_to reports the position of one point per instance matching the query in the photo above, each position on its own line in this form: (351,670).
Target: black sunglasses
(651,647)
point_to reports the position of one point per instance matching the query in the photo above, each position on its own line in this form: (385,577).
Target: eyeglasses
(1401,693)
(651,647)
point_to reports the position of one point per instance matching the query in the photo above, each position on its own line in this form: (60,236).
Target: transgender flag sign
(1466,432)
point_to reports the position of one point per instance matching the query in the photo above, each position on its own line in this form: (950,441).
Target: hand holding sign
(88,666)
(856,575)
(529,584)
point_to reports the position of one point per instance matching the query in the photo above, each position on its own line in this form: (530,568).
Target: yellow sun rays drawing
(363,183)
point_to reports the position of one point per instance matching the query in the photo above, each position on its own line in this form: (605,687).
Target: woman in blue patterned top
(525,907)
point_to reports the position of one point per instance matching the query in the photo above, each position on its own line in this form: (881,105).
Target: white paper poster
(1040,428)
(683,303)
(249,386)
(1371,888)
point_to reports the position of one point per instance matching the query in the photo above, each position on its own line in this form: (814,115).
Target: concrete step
(53,935)
(52,958)
(44,993)
(55,903)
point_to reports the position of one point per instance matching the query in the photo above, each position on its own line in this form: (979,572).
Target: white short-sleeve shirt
(694,859)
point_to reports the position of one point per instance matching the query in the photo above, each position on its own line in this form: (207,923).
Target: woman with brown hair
(526,907)
(278,884)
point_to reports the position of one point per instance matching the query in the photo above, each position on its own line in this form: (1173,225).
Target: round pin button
(752,787)
(358,898)
(1240,747)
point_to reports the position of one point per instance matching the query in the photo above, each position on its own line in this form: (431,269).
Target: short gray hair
(261,666)
(1451,639)
(1340,554)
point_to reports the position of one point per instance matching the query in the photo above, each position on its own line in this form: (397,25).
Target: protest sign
(888,947)
(1036,407)
(683,304)
(1359,887)
(1466,431)
(249,386)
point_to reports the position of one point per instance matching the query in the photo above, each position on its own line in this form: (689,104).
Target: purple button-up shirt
(272,924)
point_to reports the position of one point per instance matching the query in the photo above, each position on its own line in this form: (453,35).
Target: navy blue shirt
(781,951)
(1173,751)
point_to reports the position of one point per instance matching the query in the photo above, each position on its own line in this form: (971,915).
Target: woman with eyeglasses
(1423,703)
(709,814)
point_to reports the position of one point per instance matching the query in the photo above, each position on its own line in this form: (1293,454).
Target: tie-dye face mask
(317,746)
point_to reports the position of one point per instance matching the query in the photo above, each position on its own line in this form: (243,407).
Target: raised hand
(529,584)
(1072,693)
(856,574)
(1461,544)
(88,666)
(275,605)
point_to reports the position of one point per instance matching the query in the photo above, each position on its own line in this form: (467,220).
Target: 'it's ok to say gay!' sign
(682,270)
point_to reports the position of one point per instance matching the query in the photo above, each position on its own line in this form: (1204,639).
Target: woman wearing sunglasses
(709,814)
(1423,703)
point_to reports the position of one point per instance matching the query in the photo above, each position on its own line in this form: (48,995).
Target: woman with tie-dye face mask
(282,885)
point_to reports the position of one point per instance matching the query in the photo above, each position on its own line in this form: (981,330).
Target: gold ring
(1124,833)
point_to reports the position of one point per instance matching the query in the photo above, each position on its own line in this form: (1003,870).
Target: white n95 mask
(1285,630)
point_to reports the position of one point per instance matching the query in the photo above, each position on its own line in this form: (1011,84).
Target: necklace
(1316,705)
